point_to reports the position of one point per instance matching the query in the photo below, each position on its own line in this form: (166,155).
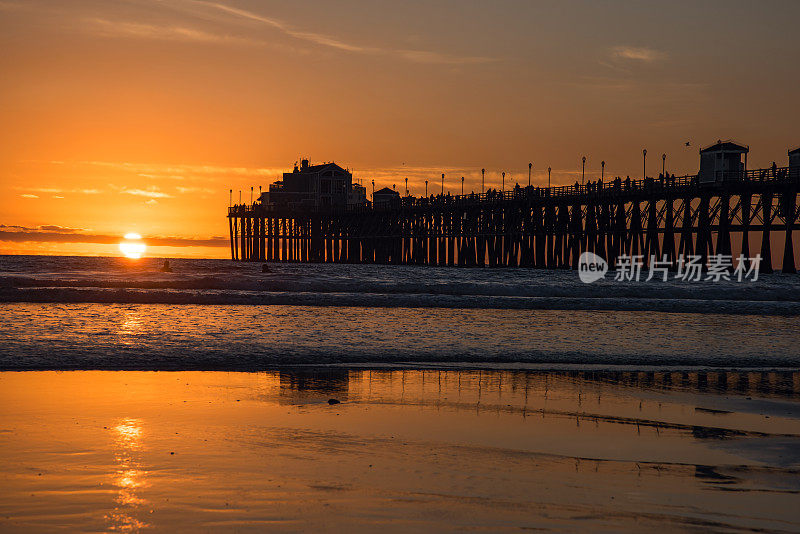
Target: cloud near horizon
(50,233)
(55,190)
(149,193)
(642,54)
(182,171)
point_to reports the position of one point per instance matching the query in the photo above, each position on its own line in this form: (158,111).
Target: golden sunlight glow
(128,478)
(132,247)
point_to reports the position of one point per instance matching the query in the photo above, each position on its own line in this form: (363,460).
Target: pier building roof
(320,167)
(726,146)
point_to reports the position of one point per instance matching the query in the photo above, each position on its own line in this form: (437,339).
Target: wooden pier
(536,227)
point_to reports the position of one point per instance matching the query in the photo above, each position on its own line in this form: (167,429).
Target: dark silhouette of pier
(537,227)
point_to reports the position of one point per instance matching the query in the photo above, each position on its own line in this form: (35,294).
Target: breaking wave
(108,280)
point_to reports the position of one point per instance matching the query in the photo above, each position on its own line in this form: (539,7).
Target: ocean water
(114,313)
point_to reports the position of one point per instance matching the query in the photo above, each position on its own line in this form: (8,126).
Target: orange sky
(139,116)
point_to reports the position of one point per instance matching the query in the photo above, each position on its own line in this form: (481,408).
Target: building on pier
(358,195)
(722,161)
(385,196)
(311,186)
(794,162)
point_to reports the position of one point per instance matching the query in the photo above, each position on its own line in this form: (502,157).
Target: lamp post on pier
(530,166)
(240,196)
(602,170)
(548,179)
(483,177)
(644,163)
(462,186)
(426,188)
(406,186)
(663,164)
(583,169)
(373,191)
(504,181)
(230,198)
(442,184)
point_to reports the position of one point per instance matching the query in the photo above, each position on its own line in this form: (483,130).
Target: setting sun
(132,247)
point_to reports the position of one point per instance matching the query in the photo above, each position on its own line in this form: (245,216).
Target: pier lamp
(442,184)
(583,169)
(602,169)
(483,176)
(462,186)
(406,186)
(548,177)
(504,181)
(663,164)
(240,196)
(426,188)
(644,163)
(230,198)
(373,190)
(530,166)
(251,194)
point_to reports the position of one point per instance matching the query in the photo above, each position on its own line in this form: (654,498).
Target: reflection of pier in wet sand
(495,387)
(406,449)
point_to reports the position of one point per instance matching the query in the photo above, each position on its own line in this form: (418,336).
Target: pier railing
(598,189)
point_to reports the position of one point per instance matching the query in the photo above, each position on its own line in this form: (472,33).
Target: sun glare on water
(132,247)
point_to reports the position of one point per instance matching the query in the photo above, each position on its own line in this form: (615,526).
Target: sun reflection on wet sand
(128,478)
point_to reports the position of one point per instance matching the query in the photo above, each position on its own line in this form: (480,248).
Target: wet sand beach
(438,449)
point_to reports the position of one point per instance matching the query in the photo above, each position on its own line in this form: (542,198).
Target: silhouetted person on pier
(166,268)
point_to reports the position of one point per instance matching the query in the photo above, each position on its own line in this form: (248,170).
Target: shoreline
(391,301)
(403,449)
(513,366)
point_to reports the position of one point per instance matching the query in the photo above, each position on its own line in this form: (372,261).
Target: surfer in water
(166,267)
